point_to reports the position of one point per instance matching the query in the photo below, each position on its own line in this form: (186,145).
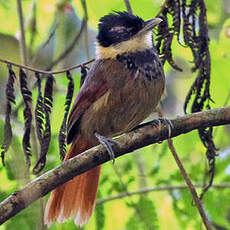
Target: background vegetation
(50,28)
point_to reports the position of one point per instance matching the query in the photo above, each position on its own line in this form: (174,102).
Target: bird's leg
(107,143)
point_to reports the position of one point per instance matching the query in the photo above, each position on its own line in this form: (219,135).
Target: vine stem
(189,183)
(190,186)
(46,72)
(157,189)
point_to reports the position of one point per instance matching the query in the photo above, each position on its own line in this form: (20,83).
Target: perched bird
(122,88)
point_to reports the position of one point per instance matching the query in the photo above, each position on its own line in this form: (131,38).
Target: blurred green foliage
(156,210)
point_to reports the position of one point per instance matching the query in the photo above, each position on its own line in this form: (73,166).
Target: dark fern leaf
(199,44)
(196,38)
(27,99)
(167,51)
(63,129)
(10,99)
(174,7)
(163,29)
(166,33)
(48,103)
(39,111)
(189,95)
(189,18)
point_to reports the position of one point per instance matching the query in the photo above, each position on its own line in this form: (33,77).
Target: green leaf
(100,215)
(144,217)
(25,220)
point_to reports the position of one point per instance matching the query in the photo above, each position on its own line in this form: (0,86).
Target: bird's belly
(119,111)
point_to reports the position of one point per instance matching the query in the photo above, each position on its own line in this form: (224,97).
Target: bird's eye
(120,29)
(117,28)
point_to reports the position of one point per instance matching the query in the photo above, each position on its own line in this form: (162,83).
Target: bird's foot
(107,143)
(165,121)
(157,123)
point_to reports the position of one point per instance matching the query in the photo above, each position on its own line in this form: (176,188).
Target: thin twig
(190,185)
(187,179)
(157,189)
(41,217)
(22,39)
(227,99)
(141,170)
(145,135)
(128,6)
(33,25)
(70,47)
(45,43)
(83,2)
(47,72)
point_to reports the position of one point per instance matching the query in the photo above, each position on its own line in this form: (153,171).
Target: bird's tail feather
(76,198)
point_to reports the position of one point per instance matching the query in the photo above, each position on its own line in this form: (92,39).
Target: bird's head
(122,32)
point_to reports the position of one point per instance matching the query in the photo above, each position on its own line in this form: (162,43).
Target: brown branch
(190,185)
(128,6)
(188,181)
(46,72)
(158,189)
(146,134)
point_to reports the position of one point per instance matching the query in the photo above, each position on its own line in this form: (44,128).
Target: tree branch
(146,134)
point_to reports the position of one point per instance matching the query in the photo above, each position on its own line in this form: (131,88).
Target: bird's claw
(107,143)
(165,121)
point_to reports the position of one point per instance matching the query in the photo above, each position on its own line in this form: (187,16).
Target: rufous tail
(76,198)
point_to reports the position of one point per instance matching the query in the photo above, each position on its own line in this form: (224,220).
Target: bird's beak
(150,24)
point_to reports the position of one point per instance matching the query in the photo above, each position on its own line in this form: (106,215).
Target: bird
(122,88)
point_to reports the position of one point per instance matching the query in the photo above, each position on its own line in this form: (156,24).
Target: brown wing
(94,87)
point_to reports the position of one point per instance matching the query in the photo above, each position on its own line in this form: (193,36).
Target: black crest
(117,27)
